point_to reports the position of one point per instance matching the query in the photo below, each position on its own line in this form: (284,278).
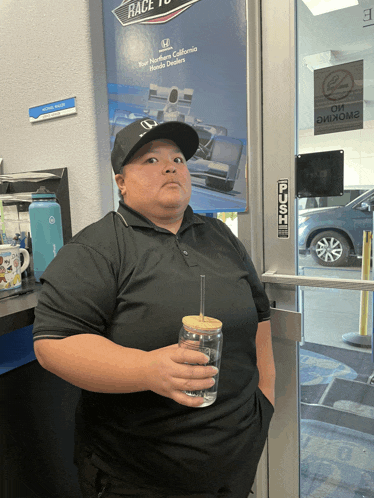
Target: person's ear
(120,180)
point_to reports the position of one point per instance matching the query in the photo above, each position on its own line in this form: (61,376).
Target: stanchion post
(362,340)
(370,205)
(365,275)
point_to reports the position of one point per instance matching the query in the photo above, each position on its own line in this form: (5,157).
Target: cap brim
(183,135)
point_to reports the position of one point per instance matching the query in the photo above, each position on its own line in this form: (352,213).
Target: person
(108,319)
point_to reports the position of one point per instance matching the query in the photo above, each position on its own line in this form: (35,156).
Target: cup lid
(194,322)
(43,193)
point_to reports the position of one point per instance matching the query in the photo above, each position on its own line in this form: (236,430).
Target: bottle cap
(194,322)
(43,193)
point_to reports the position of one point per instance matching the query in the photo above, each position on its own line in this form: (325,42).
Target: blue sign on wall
(52,110)
(185,60)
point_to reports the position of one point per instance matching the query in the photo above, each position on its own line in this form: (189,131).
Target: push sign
(283,209)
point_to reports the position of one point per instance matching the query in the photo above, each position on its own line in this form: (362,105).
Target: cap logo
(148,124)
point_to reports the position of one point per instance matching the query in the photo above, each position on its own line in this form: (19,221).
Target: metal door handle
(272,277)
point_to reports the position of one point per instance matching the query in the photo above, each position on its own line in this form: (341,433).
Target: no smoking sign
(338,85)
(338,98)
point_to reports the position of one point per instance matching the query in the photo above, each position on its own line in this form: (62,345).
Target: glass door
(335,111)
(316,85)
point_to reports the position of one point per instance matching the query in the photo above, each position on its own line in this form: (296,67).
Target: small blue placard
(52,110)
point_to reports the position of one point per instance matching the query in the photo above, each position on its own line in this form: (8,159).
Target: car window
(319,202)
(370,199)
(362,198)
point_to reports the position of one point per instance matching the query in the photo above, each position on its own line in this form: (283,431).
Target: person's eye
(152,160)
(178,160)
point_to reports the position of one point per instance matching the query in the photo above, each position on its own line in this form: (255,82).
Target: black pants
(95,483)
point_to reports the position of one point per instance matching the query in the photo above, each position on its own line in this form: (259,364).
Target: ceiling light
(318,7)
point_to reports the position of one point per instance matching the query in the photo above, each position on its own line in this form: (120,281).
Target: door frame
(279,146)
(271,151)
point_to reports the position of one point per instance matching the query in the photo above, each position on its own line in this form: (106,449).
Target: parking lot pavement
(307,260)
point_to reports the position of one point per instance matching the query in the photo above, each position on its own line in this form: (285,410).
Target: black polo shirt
(132,282)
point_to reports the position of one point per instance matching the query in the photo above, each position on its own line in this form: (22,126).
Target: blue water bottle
(46,229)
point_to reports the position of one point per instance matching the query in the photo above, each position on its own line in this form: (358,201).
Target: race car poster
(185,60)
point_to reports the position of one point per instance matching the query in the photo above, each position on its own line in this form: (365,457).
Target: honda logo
(148,124)
(165,43)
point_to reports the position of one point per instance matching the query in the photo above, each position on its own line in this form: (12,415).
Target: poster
(185,60)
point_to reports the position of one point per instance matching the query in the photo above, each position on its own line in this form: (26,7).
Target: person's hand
(169,375)
(269,391)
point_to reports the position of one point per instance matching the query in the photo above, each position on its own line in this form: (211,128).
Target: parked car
(218,156)
(333,235)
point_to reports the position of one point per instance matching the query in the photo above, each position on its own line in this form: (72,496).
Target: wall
(51,51)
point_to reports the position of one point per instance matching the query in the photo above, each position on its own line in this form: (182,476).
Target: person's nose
(170,167)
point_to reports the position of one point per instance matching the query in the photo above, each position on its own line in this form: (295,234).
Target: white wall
(49,51)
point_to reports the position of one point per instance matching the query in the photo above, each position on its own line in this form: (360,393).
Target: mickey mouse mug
(10,267)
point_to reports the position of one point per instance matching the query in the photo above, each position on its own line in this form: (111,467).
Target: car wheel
(330,249)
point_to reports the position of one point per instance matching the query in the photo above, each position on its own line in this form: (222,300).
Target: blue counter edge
(16,349)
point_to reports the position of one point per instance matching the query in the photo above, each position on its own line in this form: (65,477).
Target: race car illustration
(218,156)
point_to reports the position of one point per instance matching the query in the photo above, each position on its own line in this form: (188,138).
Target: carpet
(335,462)
(337,425)
(319,365)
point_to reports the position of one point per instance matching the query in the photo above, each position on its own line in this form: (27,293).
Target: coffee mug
(10,266)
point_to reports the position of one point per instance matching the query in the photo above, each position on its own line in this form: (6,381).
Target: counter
(17,311)
(36,410)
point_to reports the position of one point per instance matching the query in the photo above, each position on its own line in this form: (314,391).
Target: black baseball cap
(140,132)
